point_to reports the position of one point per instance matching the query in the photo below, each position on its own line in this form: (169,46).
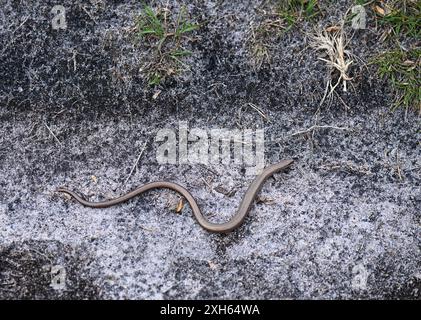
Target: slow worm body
(235,221)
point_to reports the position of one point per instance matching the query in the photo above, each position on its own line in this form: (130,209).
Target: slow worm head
(232,224)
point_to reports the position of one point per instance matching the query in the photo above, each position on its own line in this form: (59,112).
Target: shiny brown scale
(235,221)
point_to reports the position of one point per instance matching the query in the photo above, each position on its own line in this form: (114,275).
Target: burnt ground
(75,110)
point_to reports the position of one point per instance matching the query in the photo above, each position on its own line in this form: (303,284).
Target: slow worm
(235,221)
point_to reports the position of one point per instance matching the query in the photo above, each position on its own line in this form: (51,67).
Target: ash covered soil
(76,111)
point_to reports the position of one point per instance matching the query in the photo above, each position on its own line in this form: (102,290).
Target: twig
(325,93)
(74,60)
(135,164)
(318,127)
(13,32)
(20,26)
(237,141)
(52,133)
(147,228)
(347,167)
(89,14)
(343,102)
(207,184)
(259,111)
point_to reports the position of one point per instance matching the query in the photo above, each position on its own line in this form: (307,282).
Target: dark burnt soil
(31,270)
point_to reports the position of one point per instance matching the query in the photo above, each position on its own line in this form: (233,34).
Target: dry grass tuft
(337,57)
